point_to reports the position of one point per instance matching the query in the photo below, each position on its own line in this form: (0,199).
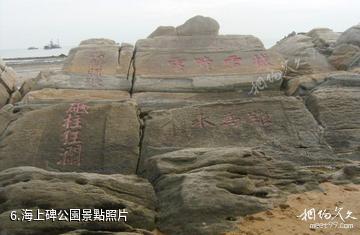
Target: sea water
(25,53)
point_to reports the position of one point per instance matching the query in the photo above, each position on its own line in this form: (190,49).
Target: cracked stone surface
(335,104)
(34,188)
(203,190)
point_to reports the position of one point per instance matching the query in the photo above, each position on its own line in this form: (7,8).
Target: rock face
(198,25)
(302,56)
(202,63)
(350,36)
(86,137)
(346,54)
(163,31)
(203,190)
(283,125)
(33,188)
(335,104)
(93,56)
(323,38)
(60,80)
(7,83)
(52,96)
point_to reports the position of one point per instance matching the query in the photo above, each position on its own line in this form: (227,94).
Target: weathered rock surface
(323,39)
(202,64)
(345,57)
(282,125)
(49,95)
(198,25)
(90,137)
(60,80)
(302,56)
(350,36)
(7,83)
(303,85)
(203,190)
(33,188)
(335,105)
(163,31)
(93,58)
(150,101)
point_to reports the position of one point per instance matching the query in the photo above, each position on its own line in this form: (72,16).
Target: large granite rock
(350,36)
(94,57)
(345,57)
(303,85)
(302,56)
(203,191)
(33,188)
(335,105)
(198,25)
(323,38)
(203,63)
(281,125)
(96,64)
(90,137)
(163,31)
(7,83)
(49,95)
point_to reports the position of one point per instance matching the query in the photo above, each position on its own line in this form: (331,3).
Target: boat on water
(52,45)
(33,48)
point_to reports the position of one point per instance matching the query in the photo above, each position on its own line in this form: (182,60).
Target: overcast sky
(25,23)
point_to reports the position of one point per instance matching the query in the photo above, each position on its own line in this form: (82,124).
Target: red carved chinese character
(95,69)
(71,155)
(177,63)
(231,120)
(72,122)
(202,122)
(72,137)
(262,118)
(232,60)
(204,62)
(261,59)
(78,108)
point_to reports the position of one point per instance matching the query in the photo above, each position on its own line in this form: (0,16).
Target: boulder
(98,41)
(82,137)
(302,56)
(38,190)
(281,125)
(198,25)
(303,85)
(163,31)
(15,97)
(96,58)
(350,36)
(4,96)
(8,79)
(345,57)
(323,39)
(2,64)
(203,190)
(204,63)
(335,105)
(49,95)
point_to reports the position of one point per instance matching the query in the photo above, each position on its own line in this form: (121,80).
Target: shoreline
(35,58)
